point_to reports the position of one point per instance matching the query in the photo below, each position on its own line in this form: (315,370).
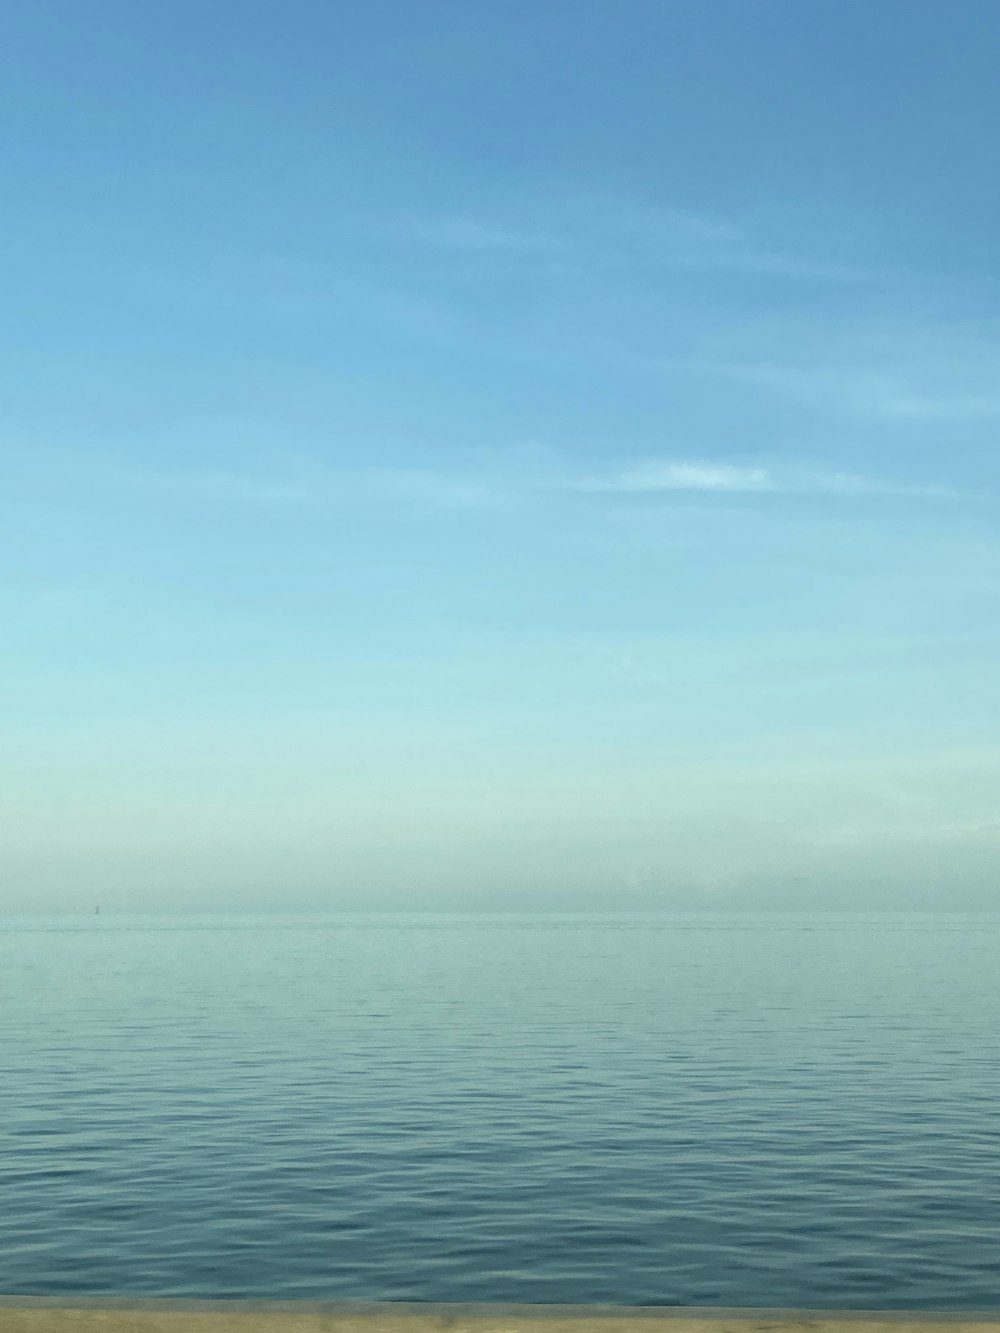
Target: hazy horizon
(847,897)
(500,454)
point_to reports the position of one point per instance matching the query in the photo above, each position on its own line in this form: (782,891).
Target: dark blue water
(785,1111)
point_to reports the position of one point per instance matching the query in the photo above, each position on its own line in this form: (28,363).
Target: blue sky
(470,453)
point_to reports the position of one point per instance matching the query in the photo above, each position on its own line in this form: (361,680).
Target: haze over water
(683,1109)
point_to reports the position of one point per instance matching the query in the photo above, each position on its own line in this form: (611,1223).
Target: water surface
(779,1111)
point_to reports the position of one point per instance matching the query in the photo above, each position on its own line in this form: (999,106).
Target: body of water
(771,1111)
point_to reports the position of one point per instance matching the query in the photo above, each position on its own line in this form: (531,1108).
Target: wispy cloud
(904,402)
(658,476)
(747,258)
(472,235)
(860,340)
(856,389)
(502,486)
(619,234)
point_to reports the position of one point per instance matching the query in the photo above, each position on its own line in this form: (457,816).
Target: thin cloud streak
(617,233)
(657,476)
(500,488)
(861,392)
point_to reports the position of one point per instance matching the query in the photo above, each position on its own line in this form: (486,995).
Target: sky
(490,453)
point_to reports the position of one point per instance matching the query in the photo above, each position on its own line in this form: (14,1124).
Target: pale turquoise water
(742,1111)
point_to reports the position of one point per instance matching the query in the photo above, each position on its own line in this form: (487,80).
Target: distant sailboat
(97,911)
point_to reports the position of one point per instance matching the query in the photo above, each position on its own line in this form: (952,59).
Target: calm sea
(780,1111)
